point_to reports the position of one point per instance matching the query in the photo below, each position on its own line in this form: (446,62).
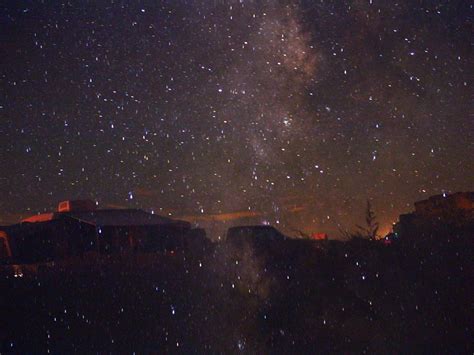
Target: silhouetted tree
(371,228)
(369,231)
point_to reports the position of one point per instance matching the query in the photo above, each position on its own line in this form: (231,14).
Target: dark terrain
(286,297)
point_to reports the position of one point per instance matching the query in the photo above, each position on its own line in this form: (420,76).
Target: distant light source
(319,236)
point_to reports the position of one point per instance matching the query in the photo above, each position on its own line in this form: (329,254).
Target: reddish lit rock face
(44,217)
(76,205)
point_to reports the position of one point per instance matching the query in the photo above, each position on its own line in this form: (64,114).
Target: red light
(319,236)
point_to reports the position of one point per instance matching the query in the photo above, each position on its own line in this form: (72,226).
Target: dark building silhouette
(79,227)
(436,214)
(258,232)
(444,205)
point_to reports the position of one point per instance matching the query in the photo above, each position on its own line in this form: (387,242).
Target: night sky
(228,112)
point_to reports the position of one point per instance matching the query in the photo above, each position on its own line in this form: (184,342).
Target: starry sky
(235,112)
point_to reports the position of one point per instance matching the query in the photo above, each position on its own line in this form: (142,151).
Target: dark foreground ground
(335,298)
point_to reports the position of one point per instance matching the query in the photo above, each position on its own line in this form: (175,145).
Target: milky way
(226,112)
